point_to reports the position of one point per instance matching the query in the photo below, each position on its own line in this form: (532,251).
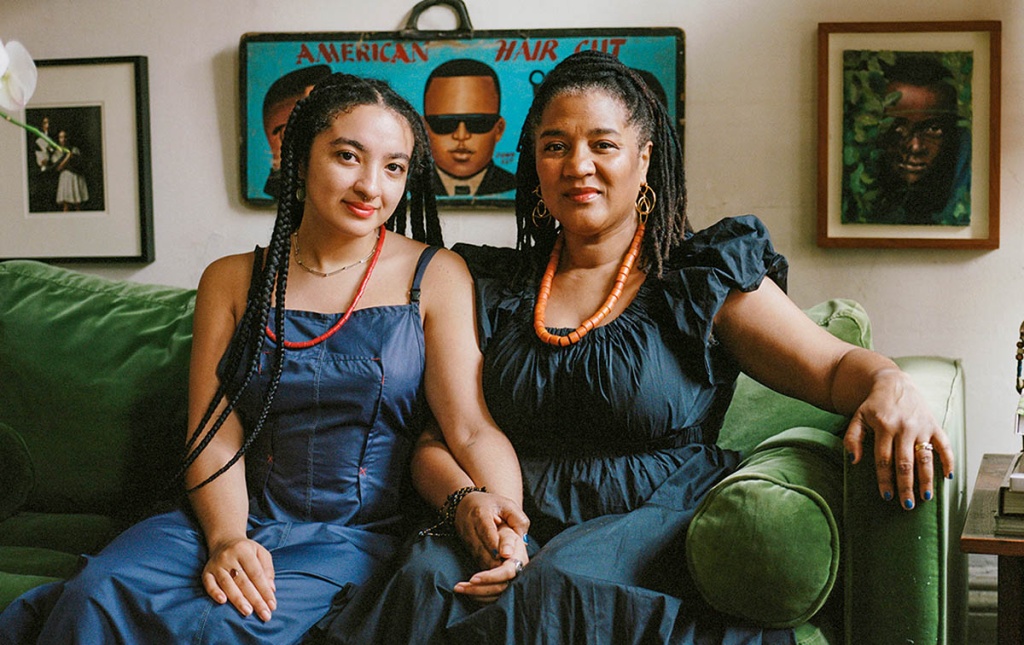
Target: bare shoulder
(448,268)
(226,281)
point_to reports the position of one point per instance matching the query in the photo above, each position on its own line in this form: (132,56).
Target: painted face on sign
(275,118)
(463,123)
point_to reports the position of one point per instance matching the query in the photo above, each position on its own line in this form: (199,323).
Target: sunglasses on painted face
(475,123)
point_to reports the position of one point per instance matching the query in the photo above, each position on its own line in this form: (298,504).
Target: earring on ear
(540,210)
(300,193)
(645,202)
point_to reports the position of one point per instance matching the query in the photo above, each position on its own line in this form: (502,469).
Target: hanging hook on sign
(464,29)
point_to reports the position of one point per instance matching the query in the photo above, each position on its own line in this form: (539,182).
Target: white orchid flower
(18,76)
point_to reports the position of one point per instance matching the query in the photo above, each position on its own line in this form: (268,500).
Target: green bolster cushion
(17,477)
(764,543)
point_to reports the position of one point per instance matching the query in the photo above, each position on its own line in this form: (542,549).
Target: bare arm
(222,505)
(492,527)
(778,345)
(454,389)
(466,448)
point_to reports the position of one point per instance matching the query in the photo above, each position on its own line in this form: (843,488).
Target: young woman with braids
(315,364)
(612,339)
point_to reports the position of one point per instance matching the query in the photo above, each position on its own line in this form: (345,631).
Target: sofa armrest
(905,579)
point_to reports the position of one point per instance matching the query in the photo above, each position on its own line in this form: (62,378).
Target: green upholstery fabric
(764,544)
(66,532)
(757,413)
(13,585)
(95,373)
(25,560)
(907,566)
(16,474)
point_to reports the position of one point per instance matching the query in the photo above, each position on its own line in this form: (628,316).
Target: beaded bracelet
(445,525)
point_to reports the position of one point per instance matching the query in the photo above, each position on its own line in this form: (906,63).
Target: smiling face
(463,146)
(357,169)
(590,162)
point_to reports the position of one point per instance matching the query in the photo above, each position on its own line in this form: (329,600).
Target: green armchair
(93,385)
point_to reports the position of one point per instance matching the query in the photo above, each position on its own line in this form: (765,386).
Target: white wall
(750,142)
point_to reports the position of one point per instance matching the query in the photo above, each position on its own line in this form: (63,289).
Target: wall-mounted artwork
(94,202)
(908,134)
(473,87)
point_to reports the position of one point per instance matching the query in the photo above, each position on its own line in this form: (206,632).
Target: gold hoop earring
(645,202)
(540,210)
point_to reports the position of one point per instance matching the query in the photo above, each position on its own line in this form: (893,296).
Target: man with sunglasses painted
(461,105)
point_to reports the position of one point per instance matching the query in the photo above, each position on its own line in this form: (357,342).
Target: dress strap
(421,268)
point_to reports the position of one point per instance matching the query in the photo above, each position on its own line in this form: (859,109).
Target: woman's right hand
(241,570)
(478,519)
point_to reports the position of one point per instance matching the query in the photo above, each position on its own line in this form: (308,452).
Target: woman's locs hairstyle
(591,70)
(331,97)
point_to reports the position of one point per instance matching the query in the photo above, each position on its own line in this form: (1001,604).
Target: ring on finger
(519,565)
(923,446)
(233,573)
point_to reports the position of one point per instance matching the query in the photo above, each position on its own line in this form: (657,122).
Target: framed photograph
(908,134)
(474,88)
(93,204)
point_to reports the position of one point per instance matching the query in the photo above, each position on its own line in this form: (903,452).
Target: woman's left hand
(486,586)
(906,438)
(479,520)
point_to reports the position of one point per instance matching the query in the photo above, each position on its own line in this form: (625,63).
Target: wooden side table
(979,537)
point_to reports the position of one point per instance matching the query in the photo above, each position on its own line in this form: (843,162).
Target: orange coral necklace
(304,344)
(545,292)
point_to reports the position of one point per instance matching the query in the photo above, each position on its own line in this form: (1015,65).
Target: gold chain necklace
(298,258)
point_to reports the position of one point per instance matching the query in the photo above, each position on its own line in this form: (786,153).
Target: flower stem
(35,131)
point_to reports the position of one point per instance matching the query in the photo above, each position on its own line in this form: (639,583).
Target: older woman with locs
(612,340)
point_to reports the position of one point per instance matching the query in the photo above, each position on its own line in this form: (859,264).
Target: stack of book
(1010,518)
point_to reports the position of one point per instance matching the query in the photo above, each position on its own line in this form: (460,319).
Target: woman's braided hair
(331,97)
(591,70)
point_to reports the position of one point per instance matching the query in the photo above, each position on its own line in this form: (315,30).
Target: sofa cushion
(13,585)
(31,561)
(95,382)
(764,543)
(757,412)
(72,533)
(16,473)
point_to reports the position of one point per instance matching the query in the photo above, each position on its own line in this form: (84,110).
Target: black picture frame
(102,106)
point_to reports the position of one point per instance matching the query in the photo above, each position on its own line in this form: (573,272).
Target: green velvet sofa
(93,411)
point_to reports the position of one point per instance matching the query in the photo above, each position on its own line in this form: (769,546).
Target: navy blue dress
(328,485)
(616,436)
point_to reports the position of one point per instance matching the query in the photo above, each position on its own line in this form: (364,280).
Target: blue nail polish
(850,457)
(927,496)
(887,495)
(526,538)
(949,476)
(909,504)
(494,552)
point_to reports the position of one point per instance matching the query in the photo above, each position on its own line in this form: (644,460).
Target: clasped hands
(494,530)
